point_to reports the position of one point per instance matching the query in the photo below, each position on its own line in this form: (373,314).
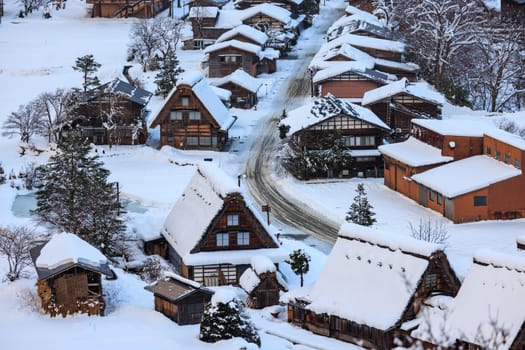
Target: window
(185,101)
(431,195)
(170,139)
(175,115)
(497,156)
(516,163)
(192,140)
(232,220)
(230,58)
(431,281)
(387,165)
(480,201)
(507,158)
(223,239)
(439,199)
(488,151)
(243,238)
(195,115)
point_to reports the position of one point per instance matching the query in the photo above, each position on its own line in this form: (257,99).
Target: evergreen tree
(75,196)
(88,67)
(361,211)
(299,262)
(166,78)
(226,320)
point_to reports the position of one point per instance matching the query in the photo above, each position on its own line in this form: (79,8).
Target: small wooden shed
(69,276)
(263,282)
(180,299)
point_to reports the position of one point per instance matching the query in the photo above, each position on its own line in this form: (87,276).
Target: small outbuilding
(263,282)
(243,88)
(69,276)
(180,299)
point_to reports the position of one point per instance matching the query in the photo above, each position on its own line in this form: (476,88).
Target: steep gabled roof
(328,107)
(64,251)
(248,47)
(204,94)
(370,276)
(276,12)
(422,90)
(247,31)
(414,153)
(240,78)
(335,68)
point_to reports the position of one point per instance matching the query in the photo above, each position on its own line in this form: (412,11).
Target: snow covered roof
(240,78)
(370,276)
(361,14)
(241,45)
(249,280)
(262,264)
(466,175)
(133,93)
(506,137)
(421,90)
(455,127)
(203,12)
(259,264)
(204,94)
(235,257)
(358,67)
(414,153)
(491,292)
(65,250)
(369,42)
(276,12)
(175,287)
(354,23)
(245,30)
(327,52)
(221,93)
(327,107)
(409,67)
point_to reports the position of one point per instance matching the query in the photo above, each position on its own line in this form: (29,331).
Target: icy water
(24,203)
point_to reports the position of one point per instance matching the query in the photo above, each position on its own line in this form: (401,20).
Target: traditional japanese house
(377,48)
(372,283)
(399,102)
(290,5)
(263,282)
(268,17)
(180,299)
(125,8)
(486,313)
(193,117)
(360,23)
(213,232)
(204,25)
(483,182)
(113,114)
(359,128)
(245,33)
(69,276)
(227,56)
(243,88)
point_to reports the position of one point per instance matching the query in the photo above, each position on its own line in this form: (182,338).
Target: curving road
(263,161)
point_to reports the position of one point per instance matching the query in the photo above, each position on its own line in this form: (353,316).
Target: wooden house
(113,114)
(484,182)
(262,282)
(291,5)
(243,88)
(125,8)
(213,232)
(486,313)
(205,27)
(245,33)
(360,129)
(378,48)
(399,102)
(228,56)
(193,117)
(267,17)
(69,276)
(360,23)
(372,283)
(180,299)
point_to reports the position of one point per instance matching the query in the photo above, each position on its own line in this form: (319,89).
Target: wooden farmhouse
(205,27)
(213,232)
(372,283)
(399,102)
(462,169)
(290,5)
(193,117)
(360,129)
(180,299)
(228,56)
(360,23)
(113,114)
(243,88)
(267,17)
(262,282)
(487,312)
(69,276)
(125,8)
(245,33)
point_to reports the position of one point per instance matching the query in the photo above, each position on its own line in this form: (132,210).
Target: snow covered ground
(37,55)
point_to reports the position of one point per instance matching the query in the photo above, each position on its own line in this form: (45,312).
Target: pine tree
(361,211)
(75,196)
(166,78)
(88,67)
(299,262)
(226,320)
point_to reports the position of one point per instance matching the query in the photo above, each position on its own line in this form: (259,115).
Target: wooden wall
(346,88)
(218,68)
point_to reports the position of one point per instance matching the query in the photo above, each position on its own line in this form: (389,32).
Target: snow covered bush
(225,317)
(361,210)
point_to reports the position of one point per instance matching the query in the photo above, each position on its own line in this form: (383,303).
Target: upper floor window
(195,115)
(439,198)
(185,101)
(488,151)
(223,239)
(431,195)
(498,155)
(232,220)
(175,115)
(243,238)
(480,201)
(506,159)
(230,58)
(517,163)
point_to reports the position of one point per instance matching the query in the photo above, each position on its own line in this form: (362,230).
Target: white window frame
(222,239)
(232,219)
(243,238)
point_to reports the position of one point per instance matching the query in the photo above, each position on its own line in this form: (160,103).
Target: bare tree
(385,9)
(25,122)
(55,108)
(430,231)
(30,5)
(111,115)
(15,242)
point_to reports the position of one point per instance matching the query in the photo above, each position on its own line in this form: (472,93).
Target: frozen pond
(24,203)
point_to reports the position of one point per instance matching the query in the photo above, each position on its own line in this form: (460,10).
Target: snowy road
(263,163)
